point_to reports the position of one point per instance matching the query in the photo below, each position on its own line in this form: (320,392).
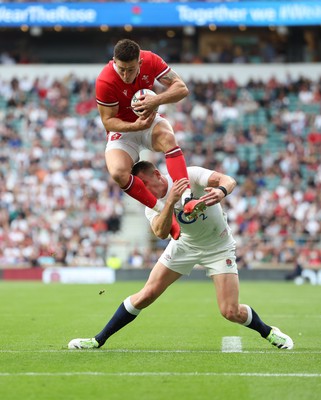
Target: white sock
(249,315)
(130,308)
(187,193)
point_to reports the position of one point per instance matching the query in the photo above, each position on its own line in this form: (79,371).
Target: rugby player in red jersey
(130,70)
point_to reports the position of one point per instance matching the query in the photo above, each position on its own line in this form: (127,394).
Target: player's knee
(164,141)
(120,176)
(229,312)
(169,142)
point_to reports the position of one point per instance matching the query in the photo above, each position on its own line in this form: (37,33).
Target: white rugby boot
(280,339)
(83,344)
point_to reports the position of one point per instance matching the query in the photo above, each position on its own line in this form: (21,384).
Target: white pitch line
(195,374)
(231,344)
(271,351)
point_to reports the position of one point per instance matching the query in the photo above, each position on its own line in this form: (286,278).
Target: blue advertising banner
(249,13)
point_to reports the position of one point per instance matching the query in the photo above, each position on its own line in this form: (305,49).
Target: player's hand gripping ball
(137,96)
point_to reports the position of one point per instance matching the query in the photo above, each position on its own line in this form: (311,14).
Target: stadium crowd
(264,51)
(58,204)
(225,53)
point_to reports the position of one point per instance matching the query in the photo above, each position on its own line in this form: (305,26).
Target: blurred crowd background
(59,206)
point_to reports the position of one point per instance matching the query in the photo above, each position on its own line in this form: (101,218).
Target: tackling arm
(219,186)
(162,223)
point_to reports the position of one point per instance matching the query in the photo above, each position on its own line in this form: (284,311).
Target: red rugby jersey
(112,91)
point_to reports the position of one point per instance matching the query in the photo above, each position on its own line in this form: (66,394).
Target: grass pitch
(173,350)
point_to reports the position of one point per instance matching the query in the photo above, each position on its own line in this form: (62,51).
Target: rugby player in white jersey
(206,240)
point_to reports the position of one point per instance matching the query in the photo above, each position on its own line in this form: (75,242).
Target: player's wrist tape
(223,190)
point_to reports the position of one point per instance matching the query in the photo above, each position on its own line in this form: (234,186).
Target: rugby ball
(137,96)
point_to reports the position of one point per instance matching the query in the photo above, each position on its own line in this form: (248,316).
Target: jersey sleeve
(161,67)
(104,94)
(150,214)
(199,176)
(106,88)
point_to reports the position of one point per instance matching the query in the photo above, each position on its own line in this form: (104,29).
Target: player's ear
(140,62)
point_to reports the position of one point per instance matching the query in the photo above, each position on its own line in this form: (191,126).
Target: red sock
(175,163)
(136,189)
(175,231)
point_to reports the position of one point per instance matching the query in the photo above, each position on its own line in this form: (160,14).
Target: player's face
(155,183)
(128,70)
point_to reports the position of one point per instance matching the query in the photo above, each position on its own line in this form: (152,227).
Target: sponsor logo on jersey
(145,78)
(181,217)
(125,92)
(167,257)
(115,136)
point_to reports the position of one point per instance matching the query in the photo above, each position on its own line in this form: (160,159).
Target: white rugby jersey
(211,227)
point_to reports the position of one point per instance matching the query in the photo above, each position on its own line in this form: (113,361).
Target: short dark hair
(143,166)
(126,50)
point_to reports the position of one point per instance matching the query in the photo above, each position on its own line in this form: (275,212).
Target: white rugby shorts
(182,258)
(132,142)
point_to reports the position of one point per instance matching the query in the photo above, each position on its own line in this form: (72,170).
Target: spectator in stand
(135,259)
(114,262)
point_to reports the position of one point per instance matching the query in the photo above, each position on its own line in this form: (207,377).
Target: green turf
(171,351)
